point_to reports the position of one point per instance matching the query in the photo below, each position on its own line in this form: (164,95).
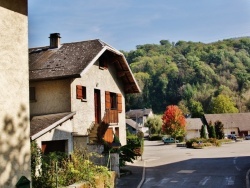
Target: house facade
(139,115)
(193,128)
(88,80)
(14,102)
(234,123)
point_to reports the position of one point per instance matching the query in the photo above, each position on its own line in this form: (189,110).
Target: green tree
(219,127)
(223,104)
(154,124)
(211,130)
(174,122)
(196,109)
(203,133)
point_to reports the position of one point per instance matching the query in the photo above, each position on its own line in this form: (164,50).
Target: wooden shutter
(79,92)
(107,100)
(109,135)
(119,102)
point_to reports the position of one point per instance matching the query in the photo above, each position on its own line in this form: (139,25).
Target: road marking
(229,180)
(186,171)
(164,181)
(148,180)
(184,181)
(234,161)
(204,180)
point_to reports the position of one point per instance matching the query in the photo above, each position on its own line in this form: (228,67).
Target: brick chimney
(54,40)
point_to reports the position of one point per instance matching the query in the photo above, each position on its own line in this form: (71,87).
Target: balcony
(111,116)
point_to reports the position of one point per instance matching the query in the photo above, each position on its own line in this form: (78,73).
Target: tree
(203,133)
(219,129)
(196,109)
(211,130)
(174,122)
(223,104)
(154,125)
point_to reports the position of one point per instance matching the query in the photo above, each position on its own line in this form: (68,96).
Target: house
(193,127)
(131,126)
(77,94)
(14,85)
(234,123)
(139,115)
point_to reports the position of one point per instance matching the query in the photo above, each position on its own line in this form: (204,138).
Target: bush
(202,142)
(154,137)
(59,168)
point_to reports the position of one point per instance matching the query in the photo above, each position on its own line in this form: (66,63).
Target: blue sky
(124,24)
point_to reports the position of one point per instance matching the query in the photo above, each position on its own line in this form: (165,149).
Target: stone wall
(14,86)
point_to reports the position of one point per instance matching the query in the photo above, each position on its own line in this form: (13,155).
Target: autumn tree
(174,122)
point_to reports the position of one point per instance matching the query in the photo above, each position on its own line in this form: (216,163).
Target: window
(113,101)
(32,94)
(81,92)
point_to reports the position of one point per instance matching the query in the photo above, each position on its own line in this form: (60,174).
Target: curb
(247,179)
(143,175)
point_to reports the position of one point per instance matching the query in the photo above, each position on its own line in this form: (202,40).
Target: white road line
(164,181)
(235,165)
(229,180)
(148,180)
(204,180)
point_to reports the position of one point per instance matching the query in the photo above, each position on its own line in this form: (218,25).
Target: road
(217,167)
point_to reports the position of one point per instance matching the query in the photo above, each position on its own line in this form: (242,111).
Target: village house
(77,94)
(234,123)
(14,101)
(140,116)
(193,128)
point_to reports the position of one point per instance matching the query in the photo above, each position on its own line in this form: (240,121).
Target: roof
(131,123)
(74,59)
(238,120)
(193,123)
(137,113)
(39,125)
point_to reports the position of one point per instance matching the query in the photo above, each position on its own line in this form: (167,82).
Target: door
(97,99)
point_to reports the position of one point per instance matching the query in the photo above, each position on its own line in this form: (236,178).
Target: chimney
(54,40)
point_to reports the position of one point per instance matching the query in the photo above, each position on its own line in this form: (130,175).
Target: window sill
(84,100)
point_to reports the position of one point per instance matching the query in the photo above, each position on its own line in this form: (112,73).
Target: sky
(124,24)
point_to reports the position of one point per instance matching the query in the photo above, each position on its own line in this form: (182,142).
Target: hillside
(191,75)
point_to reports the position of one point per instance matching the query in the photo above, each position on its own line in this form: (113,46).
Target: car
(169,140)
(247,137)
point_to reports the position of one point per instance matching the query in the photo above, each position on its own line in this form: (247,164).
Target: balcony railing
(111,116)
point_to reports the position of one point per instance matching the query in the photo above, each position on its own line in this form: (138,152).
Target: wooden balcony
(111,116)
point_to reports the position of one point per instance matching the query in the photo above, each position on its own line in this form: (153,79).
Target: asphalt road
(170,166)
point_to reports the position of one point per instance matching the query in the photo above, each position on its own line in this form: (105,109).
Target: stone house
(14,101)
(77,94)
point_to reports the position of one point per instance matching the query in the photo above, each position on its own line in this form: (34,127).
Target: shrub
(154,137)
(59,169)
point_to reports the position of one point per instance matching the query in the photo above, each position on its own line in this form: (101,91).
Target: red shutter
(107,100)
(119,102)
(79,92)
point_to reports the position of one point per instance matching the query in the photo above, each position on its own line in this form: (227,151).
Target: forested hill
(200,78)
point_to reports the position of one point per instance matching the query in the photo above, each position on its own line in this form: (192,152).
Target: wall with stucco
(103,80)
(14,101)
(51,97)
(61,132)
(192,134)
